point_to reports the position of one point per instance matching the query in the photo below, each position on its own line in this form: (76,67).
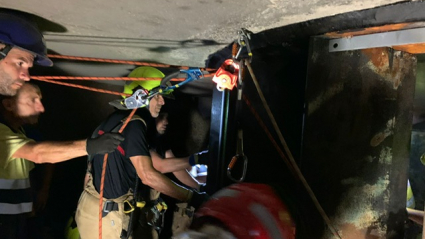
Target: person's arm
(186,178)
(415,215)
(169,164)
(157,181)
(54,152)
(51,152)
(183,175)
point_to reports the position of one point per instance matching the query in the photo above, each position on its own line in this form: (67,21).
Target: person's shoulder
(136,124)
(5,128)
(118,115)
(135,127)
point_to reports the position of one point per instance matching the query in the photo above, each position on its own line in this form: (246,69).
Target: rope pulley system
(230,75)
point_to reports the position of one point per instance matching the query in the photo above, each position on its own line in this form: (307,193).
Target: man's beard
(29,120)
(5,84)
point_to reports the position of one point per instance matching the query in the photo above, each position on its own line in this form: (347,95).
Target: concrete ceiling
(175,32)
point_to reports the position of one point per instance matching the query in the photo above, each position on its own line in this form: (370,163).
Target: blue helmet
(18,32)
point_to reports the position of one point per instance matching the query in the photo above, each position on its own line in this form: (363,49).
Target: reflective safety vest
(15,189)
(15,196)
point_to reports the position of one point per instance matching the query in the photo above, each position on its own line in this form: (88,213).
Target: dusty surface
(175,32)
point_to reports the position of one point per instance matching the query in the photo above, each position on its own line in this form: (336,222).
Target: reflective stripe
(267,220)
(14,183)
(226,193)
(8,208)
(15,196)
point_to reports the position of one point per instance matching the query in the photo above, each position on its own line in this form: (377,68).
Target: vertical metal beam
(221,139)
(356,137)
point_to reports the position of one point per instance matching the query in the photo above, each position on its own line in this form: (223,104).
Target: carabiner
(191,75)
(230,167)
(239,154)
(243,41)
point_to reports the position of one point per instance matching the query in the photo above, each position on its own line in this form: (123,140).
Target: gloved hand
(105,143)
(198,198)
(199,158)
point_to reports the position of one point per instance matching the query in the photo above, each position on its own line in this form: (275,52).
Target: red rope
(82,87)
(102,180)
(107,78)
(51,79)
(137,63)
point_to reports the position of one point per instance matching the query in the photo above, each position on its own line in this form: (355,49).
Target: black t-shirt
(120,175)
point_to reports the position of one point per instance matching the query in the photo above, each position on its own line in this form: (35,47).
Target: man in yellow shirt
(19,153)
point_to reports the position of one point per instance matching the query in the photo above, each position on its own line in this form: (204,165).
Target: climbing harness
(130,206)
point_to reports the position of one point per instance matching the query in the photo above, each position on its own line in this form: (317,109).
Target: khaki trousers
(87,215)
(182,218)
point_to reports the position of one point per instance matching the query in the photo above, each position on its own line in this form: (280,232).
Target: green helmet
(147,72)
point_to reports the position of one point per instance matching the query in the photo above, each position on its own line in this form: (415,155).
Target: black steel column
(356,137)
(222,139)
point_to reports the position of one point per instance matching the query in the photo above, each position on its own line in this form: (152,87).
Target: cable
(288,152)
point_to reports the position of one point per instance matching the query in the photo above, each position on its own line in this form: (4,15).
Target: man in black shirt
(125,166)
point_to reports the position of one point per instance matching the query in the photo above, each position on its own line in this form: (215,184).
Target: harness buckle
(105,206)
(109,206)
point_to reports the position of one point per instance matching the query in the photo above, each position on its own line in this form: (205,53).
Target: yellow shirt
(10,142)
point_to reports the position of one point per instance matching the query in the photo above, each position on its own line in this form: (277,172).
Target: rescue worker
(178,216)
(165,161)
(19,153)
(126,166)
(21,45)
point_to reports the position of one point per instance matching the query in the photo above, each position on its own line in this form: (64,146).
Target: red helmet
(248,210)
(16,31)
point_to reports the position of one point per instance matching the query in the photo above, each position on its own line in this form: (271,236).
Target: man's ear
(7,104)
